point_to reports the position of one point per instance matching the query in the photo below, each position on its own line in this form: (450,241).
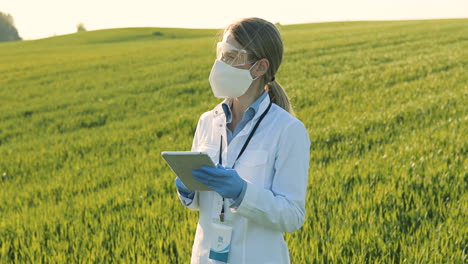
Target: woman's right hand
(183,190)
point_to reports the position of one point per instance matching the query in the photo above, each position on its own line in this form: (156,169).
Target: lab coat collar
(262,107)
(219,113)
(219,119)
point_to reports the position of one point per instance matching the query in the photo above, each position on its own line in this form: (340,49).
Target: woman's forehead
(228,38)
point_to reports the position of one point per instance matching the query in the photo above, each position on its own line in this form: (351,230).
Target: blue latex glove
(183,190)
(223,180)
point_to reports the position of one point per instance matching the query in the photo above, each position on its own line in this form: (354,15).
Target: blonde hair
(263,39)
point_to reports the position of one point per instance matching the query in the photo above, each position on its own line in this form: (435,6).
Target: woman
(262,152)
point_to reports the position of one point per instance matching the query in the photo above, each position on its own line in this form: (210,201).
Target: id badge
(220,242)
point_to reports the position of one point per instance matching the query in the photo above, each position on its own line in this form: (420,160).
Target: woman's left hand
(223,180)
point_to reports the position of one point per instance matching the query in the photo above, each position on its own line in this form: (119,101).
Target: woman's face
(257,67)
(228,38)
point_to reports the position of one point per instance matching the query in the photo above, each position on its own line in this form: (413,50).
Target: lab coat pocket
(252,165)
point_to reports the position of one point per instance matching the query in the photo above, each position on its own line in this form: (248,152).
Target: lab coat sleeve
(283,207)
(186,199)
(192,203)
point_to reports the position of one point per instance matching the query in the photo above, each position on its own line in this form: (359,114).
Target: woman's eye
(228,59)
(231,55)
(225,59)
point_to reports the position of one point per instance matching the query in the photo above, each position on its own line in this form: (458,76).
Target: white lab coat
(275,166)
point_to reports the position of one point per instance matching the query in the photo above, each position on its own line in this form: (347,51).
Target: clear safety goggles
(233,56)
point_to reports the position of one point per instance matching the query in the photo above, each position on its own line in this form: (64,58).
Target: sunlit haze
(39,19)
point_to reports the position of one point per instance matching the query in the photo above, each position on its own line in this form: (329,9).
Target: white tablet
(183,162)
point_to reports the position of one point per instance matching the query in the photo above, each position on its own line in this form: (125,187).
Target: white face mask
(229,82)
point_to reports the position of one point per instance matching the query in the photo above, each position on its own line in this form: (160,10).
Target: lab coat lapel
(219,129)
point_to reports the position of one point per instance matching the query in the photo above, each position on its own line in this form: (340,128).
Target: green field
(84,117)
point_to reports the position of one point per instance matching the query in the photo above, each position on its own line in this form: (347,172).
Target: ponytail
(278,96)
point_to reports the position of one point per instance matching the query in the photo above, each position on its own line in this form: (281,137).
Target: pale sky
(44,18)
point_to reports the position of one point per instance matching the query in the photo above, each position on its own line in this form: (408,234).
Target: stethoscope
(221,215)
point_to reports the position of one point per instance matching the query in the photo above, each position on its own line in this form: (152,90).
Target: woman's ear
(261,68)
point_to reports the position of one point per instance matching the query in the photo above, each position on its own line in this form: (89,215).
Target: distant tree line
(80,27)
(8,30)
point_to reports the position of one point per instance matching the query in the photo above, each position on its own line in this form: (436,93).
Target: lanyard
(221,215)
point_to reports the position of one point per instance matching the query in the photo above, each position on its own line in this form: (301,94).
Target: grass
(84,117)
